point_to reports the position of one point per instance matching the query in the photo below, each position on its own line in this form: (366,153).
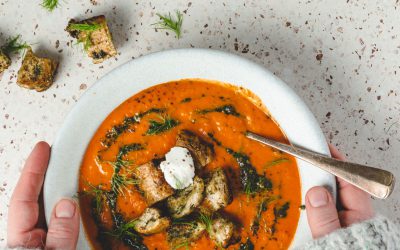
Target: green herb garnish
(167,22)
(187,99)
(83,26)
(183,244)
(125,228)
(98,195)
(158,127)
(117,130)
(248,245)
(207,220)
(14,45)
(120,183)
(125,231)
(88,29)
(302,207)
(226,109)
(275,162)
(279,213)
(262,207)
(119,163)
(251,181)
(125,149)
(50,5)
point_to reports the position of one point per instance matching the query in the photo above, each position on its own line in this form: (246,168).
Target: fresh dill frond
(86,41)
(119,163)
(207,220)
(262,207)
(179,184)
(97,193)
(228,109)
(125,229)
(120,183)
(125,149)
(88,29)
(158,127)
(50,5)
(275,162)
(14,45)
(167,22)
(183,244)
(84,26)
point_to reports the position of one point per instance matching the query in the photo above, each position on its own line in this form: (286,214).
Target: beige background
(352,90)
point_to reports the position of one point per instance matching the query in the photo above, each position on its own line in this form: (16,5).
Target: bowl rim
(286,107)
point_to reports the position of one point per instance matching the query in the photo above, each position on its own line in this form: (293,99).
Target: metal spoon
(377,182)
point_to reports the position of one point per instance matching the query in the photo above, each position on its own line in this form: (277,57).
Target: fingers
(24,208)
(64,226)
(355,202)
(335,153)
(321,212)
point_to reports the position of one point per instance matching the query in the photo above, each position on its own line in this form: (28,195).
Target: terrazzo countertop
(341,57)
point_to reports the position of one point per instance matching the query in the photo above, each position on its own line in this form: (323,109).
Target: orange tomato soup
(182,100)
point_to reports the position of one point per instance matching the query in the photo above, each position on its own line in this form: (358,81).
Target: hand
(324,218)
(26,222)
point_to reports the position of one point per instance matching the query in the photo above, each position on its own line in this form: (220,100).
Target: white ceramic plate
(285,106)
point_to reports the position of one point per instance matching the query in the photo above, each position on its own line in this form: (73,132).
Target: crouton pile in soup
(171,168)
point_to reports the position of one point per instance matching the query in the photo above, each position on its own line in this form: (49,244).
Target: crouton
(218,194)
(95,36)
(36,72)
(151,222)
(5,62)
(185,201)
(152,183)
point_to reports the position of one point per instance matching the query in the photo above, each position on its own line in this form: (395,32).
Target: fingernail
(318,197)
(65,209)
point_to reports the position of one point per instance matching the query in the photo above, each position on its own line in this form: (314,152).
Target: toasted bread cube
(5,62)
(36,72)
(97,40)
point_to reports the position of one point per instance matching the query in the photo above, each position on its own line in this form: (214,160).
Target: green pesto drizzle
(228,109)
(158,127)
(113,134)
(251,181)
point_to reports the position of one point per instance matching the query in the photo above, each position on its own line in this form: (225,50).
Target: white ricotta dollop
(178,168)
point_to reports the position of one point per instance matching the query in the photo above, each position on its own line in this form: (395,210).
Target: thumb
(64,226)
(321,212)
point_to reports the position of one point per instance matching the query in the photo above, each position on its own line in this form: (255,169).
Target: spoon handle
(377,182)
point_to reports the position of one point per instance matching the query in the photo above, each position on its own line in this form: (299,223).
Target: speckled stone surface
(341,57)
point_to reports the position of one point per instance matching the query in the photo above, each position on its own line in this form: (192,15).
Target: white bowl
(288,110)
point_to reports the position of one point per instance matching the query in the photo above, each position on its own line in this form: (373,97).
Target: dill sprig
(87,28)
(167,22)
(262,207)
(183,244)
(125,149)
(119,163)
(127,229)
(157,127)
(228,109)
(275,162)
(50,5)
(120,183)
(14,45)
(84,26)
(97,193)
(207,220)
